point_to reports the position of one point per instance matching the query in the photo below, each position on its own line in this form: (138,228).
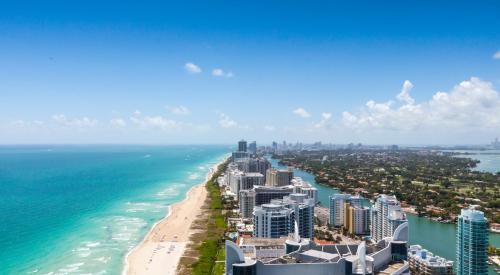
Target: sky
(197,72)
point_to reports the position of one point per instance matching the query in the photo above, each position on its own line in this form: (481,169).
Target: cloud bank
(471,105)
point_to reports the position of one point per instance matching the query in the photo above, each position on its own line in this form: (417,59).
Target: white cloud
(221,73)
(74,122)
(179,110)
(471,105)
(496,55)
(154,122)
(405,93)
(226,122)
(117,122)
(269,128)
(192,68)
(137,113)
(324,121)
(301,112)
(27,123)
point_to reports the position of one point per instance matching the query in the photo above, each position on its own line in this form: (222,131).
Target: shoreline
(162,247)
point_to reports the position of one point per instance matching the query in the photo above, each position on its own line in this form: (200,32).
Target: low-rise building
(423,262)
(302,256)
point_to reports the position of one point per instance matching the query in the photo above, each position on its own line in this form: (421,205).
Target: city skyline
(169,73)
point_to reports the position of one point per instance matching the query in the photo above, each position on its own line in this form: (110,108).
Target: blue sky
(217,71)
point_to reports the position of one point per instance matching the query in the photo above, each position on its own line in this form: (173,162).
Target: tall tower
(386,217)
(242,146)
(472,243)
(252,147)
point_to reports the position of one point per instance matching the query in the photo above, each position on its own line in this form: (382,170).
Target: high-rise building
(386,216)
(242,146)
(258,165)
(337,208)
(472,243)
(249,180)
(247,203)
(357,219)
(233,176)
(264,194)
(272,221)
(278,177)
(244,181)
(239,155)
(303,208)
(252,147)
(423,262)
(304,187)
(259,195)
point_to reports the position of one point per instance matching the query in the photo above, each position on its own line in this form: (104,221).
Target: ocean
(80,209)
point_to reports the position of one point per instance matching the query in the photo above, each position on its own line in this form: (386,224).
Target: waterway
(436,237)
(489,160)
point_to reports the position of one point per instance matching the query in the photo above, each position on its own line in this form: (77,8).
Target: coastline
(163,246)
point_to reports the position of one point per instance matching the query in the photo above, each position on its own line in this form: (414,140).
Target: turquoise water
(489,159)
(80,209)
(438,238)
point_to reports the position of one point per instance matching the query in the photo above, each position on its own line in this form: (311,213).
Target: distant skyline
(406,72)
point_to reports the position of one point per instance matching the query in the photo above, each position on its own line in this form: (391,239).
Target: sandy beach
(163,246)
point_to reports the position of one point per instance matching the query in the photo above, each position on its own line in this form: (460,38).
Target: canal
(439,238)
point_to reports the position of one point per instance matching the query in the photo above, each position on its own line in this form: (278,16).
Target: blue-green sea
(80,209)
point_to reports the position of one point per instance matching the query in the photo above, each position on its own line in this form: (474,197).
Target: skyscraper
(303,208)
(472,243)
(252,147)
(386,217)
(356,219)
(279,177)
(275,147)
(242,146)
(337,209)
(272,221)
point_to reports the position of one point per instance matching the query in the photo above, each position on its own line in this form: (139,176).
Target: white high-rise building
(387,215)
(239,180)
(272,221)
(303,187)
(303,208)
(337,208)
(247,203)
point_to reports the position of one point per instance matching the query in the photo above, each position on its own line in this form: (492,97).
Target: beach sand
(163,246)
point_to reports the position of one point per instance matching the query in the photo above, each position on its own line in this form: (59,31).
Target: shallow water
(80,209)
